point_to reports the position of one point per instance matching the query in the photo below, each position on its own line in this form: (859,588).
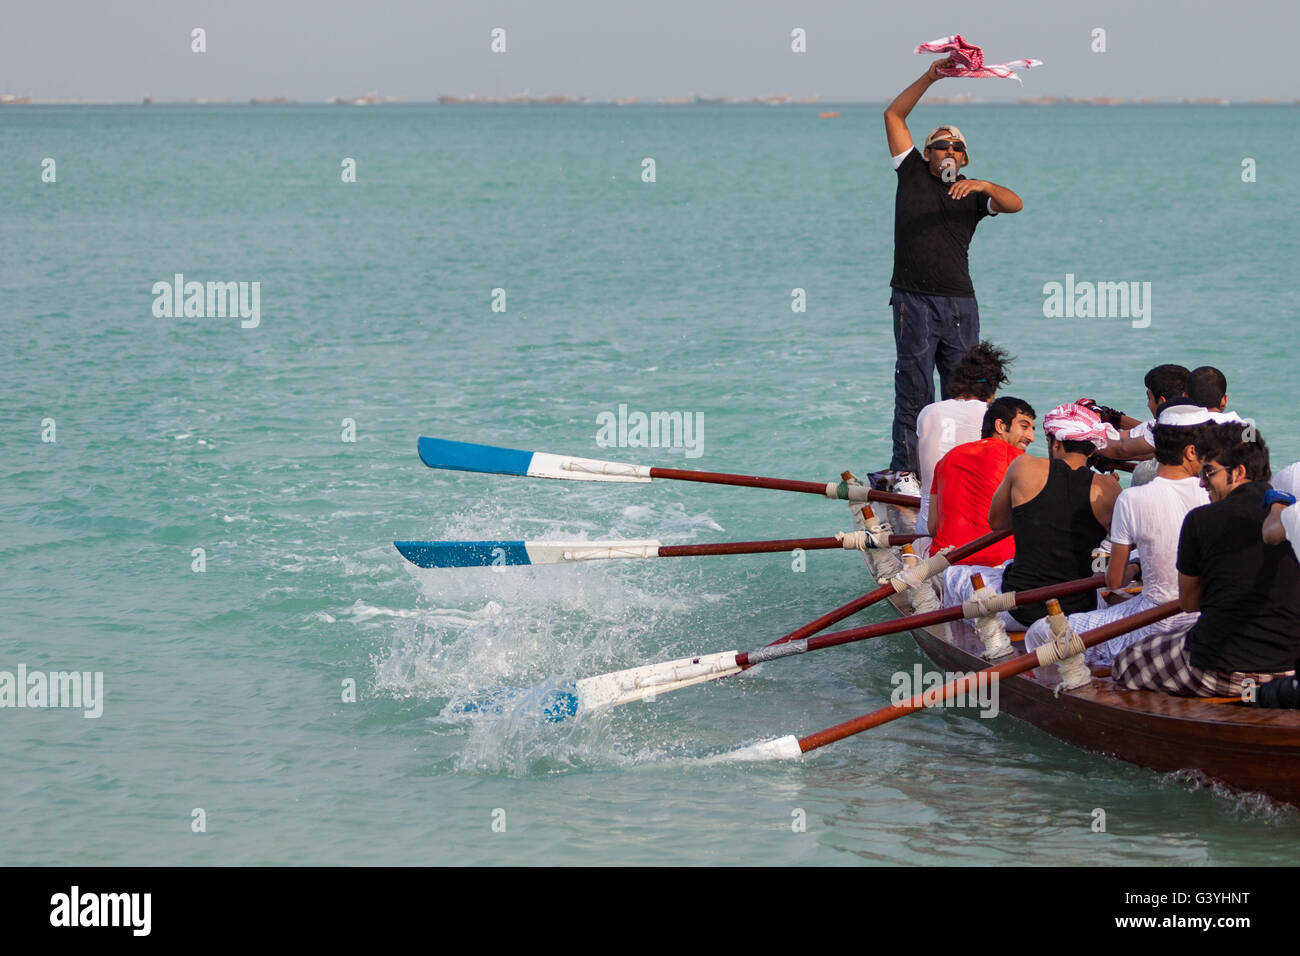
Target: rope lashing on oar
(914,576)
(861,540)
(884,563)
(921,595)
(1074,671)
(984,608)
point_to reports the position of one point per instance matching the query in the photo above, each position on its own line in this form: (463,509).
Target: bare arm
(896,131)
(1189,592)
(1105,489)
(1004,200)
(1274,532)
(932,516)
(1116,570)
(1128,449)
(1000,507)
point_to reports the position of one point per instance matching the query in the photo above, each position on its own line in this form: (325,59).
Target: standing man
(936,209)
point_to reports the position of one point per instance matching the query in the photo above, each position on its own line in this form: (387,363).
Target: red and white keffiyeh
(1071,422)
(968,60)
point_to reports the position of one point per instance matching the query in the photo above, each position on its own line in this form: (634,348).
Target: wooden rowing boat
(1246,748)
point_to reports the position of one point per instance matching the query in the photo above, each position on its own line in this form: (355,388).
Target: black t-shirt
(932,231)
(1250,591)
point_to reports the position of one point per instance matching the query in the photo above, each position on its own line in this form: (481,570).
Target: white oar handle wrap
(861,540)
(915,576)
(983,605)
(1050,654)
(844,491)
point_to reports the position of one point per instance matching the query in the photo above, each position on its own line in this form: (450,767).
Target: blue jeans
(929,330)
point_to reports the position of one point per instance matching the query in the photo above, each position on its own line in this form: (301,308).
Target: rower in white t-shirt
(1283,523)
(1148,520)
(1288,480)
(942,426)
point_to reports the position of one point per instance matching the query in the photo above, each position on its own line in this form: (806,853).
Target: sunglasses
(956,145)
(1209,471)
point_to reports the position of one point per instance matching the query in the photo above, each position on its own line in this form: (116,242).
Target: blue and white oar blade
(463,554)
(489,459)
(482,554)
(464,456)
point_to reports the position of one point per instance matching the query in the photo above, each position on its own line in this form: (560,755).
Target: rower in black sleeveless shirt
(1058,508)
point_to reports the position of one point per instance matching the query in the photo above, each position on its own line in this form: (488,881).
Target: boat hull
(1245,748)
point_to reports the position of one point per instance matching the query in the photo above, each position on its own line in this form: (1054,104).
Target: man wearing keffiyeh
(1059,509)
(936,210)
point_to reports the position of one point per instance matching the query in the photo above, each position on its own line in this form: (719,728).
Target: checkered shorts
(1160,662)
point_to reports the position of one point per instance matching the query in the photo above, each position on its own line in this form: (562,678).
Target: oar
(477,554)
(637,683)
(488,459)
(789,746)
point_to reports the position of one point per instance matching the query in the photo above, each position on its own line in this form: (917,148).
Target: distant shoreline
(634,101)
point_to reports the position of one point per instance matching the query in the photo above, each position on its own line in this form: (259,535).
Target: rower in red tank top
(968,475)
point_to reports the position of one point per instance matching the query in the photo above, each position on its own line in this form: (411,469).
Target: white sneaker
(906,483)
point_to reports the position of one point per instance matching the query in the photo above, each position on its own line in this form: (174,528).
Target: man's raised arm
(900,139)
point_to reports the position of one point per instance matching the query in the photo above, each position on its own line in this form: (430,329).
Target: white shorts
(957,587)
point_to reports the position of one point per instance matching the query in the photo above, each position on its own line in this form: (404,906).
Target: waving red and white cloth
(968,60)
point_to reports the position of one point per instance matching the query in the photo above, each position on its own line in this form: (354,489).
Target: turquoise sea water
(223,689)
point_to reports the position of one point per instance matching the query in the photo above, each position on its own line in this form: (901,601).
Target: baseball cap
(947,132)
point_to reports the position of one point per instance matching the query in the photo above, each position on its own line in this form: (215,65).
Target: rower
(965,479)
(1282,520)
(1247,591)
(1288,479)
(1164,383)
(1059,511)
(942,426)
(1207,387)
(1147,519)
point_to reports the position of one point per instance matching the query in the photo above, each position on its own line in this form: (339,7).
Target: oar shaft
(1017,665)
(884,591)
(777,484)
(763,547)
(928,619)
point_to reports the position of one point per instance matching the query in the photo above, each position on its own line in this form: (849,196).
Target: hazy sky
(313,49)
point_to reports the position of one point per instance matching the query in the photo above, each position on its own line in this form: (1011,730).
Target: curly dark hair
(980,371)
(1237,443)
